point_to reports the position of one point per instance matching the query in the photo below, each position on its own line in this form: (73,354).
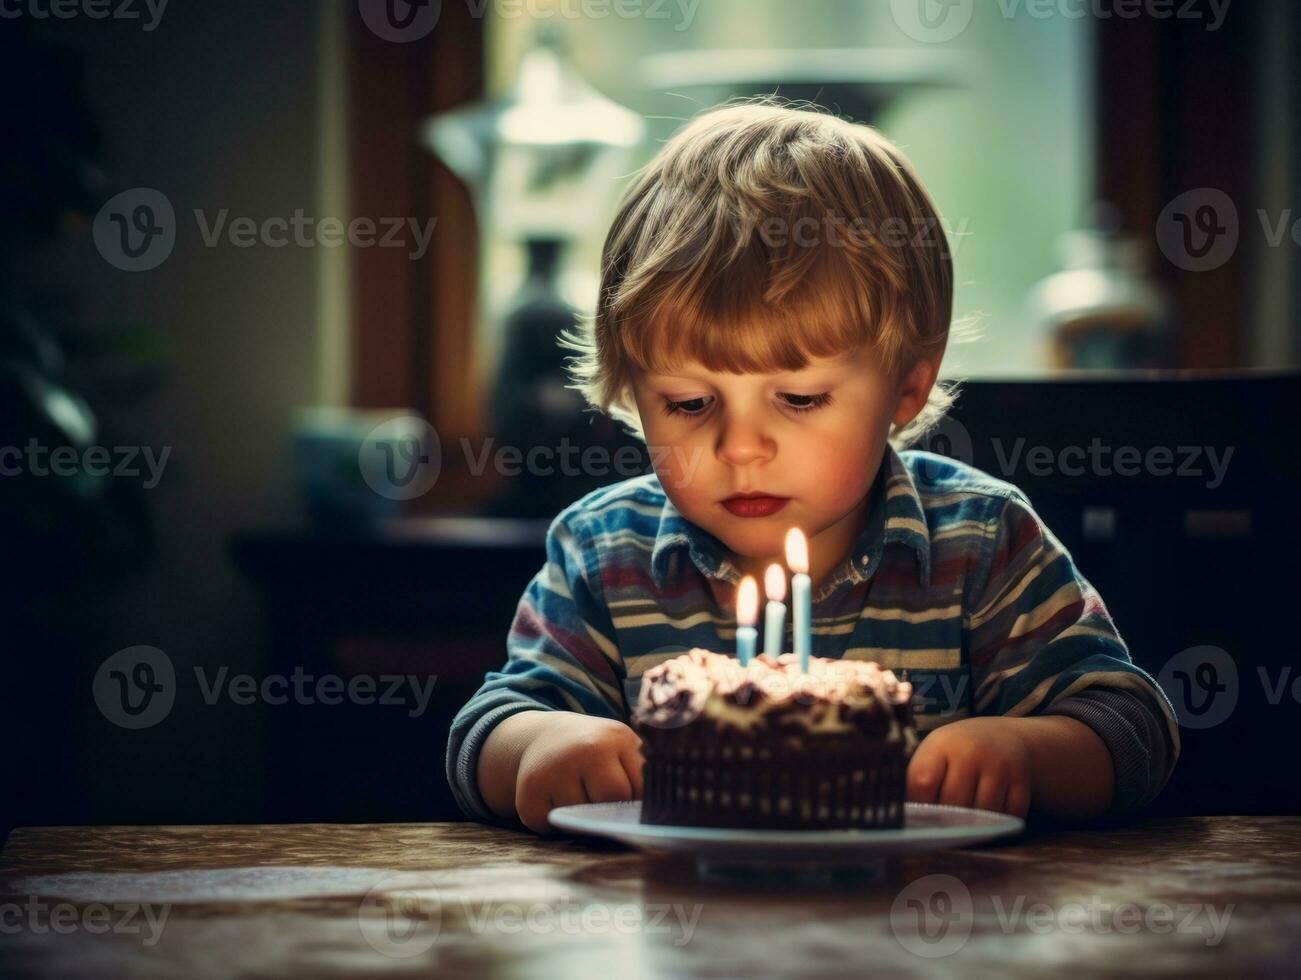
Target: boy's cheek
(832,479)
(683,468)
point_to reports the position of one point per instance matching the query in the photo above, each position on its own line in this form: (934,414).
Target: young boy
(775,299)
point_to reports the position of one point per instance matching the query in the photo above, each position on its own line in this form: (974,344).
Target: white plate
(927,827)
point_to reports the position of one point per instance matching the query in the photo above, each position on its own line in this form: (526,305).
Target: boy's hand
(576,758)
(976,762)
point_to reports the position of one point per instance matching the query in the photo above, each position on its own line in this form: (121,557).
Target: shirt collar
(896,518)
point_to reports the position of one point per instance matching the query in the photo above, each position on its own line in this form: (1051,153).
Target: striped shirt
(954,583)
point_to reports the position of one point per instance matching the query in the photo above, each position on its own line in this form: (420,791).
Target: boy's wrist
(499,759)
(1136,736)
(1071,771)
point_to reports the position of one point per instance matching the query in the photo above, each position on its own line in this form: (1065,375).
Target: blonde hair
(708,258)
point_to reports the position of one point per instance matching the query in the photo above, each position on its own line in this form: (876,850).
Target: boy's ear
(915,388)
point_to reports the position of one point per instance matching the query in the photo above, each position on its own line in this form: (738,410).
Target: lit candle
(747,614)
(774,613)
(797,557)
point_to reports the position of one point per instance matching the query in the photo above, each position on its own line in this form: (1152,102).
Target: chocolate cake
(768,745)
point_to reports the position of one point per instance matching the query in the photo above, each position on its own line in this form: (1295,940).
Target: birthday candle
(747,613)
(797,557)
(774,613)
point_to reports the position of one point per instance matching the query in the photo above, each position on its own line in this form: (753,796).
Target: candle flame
(747,602)
(797,551)
(774,582)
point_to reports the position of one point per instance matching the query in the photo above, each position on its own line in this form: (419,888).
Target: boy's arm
(561,658)
(1043,649)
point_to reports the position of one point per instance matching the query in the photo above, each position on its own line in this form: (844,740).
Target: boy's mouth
(754,504)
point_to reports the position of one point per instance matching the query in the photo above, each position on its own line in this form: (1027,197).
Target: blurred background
(279,291)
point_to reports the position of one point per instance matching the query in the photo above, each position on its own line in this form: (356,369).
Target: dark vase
(573,450)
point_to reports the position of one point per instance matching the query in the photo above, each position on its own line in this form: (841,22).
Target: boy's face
(815,437)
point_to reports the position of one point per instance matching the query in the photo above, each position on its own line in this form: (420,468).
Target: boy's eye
(796,403)
(806,403)
(692,406)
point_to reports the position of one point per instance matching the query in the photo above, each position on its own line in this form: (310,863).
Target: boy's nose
(742,442)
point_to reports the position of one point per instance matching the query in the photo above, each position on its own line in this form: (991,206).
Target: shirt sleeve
(559,657)
(1040,641)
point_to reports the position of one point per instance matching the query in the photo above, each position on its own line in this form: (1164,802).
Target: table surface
(1180,897)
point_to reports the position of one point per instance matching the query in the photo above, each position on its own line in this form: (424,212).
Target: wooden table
(1210,896)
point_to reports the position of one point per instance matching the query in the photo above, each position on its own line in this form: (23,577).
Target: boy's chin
(761,538)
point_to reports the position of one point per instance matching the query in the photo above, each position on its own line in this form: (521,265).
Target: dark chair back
(1176,494)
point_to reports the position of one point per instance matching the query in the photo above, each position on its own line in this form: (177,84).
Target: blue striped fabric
(955,584)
